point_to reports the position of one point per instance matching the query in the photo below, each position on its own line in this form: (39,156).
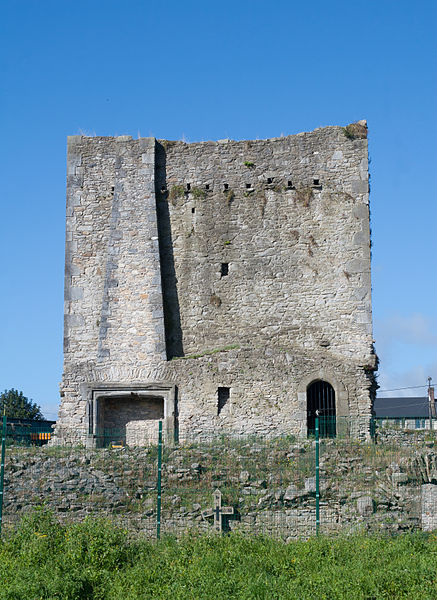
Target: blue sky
(208,70)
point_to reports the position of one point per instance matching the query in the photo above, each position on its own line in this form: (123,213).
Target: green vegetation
(229,195)
(207,352)
(168,143)
(355,131)
(18,406)
(97,560)
(177,191)
(249,164)
(198,193)
(304,195)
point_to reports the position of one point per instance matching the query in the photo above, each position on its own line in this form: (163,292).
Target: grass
(355,131)
(177,191)
(96,560)
(209,352)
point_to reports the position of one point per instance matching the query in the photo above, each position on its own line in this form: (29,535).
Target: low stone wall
(268,484)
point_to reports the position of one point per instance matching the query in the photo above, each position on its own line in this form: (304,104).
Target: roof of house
(401,407)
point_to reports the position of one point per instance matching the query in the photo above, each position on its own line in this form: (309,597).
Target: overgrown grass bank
(45,560)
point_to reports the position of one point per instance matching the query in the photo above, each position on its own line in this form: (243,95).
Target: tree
(18,406)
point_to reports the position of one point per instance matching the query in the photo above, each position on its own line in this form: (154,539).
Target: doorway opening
(321,403)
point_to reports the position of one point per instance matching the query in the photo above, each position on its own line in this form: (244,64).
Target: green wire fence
(347,477)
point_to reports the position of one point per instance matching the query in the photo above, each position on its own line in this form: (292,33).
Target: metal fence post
(317,477)
(2,470)
(158,486)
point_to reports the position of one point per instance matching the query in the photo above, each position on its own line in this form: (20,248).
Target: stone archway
(321,405)
(340,394)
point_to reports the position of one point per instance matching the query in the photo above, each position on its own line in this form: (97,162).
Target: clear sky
(199,70)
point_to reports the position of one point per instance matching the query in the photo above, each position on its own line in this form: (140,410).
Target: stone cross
(218,511)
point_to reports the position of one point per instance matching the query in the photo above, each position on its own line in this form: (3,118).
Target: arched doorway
(321,403)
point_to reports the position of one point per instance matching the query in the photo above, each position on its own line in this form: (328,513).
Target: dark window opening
(248,186)
(226,186)
(193,210)
(316,181)
(112,189)
(224,269)
(290,184)
(321,404)
(223,394)
(207,186)
(188,187)
(269,179)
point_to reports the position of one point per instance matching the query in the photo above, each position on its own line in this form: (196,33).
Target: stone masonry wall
(219,264)
(269,482)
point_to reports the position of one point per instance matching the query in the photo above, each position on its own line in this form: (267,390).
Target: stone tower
(216,285)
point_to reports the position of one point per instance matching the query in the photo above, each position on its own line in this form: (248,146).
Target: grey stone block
(365,505)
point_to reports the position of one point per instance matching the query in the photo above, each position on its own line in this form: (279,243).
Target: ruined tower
(216,285)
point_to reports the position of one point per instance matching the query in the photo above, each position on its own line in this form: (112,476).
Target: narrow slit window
(270,180)
(290,184)
(193,210)
(248,186)
(223,394)
(224,269)
(226,186)
(207,186)
(188,187)
(316,181)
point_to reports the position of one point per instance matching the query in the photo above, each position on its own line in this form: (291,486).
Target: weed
(97,559)
(249,164)
(304,195)
(229,195)
(167,143)
(207,352)
(215,300)
(177,191)
(262,203)
(198,193)
(355,131)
